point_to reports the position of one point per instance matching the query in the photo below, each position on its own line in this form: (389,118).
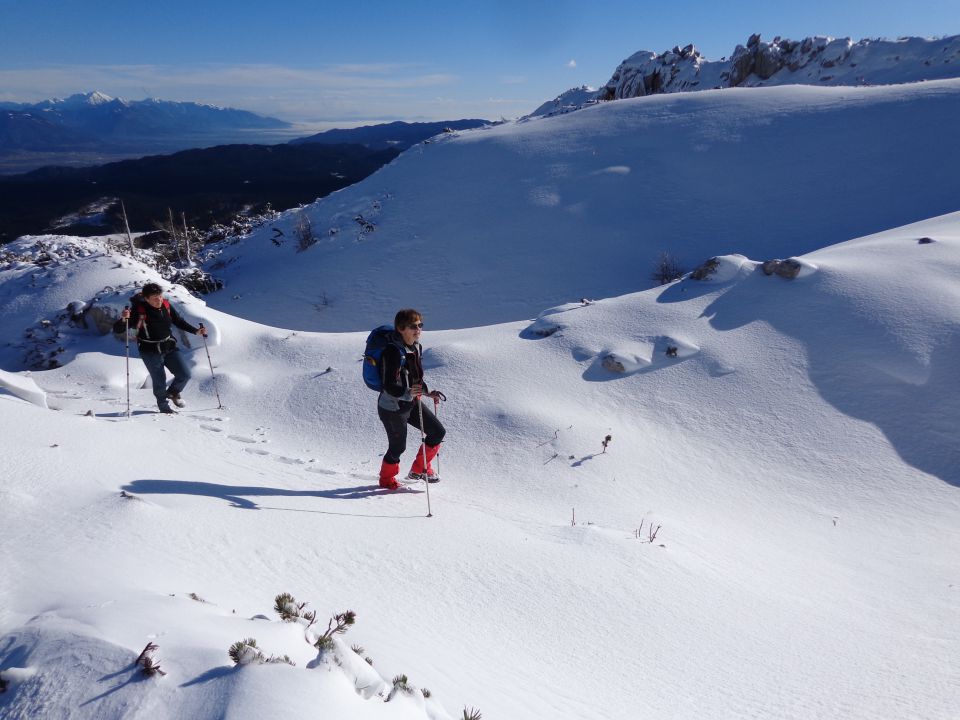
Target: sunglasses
(416,326)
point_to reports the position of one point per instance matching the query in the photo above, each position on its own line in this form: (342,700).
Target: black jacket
(398,378)
(153,325)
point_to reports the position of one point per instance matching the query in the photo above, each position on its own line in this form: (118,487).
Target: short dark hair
(151,289)
(405,317)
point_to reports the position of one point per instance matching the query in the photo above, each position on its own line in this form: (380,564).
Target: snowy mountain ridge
(93,98)
(96,125)
(93,112)
(821,61)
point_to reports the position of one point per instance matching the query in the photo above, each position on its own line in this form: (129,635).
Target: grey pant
(175,363)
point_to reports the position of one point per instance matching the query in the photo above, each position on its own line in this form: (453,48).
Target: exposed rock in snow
(722,268)
(815,60)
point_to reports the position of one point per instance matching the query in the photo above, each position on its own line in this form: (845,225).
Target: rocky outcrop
(646,73)
(788,268)
(706,270)
(613,364)
(812,61)
(572,99)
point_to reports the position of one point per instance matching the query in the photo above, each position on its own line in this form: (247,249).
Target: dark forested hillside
(209,185)
(400,135)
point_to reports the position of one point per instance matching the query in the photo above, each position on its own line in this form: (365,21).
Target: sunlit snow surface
(796,456)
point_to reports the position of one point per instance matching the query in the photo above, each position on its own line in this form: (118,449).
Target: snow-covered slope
(820,61)
(494,224)
(797,454)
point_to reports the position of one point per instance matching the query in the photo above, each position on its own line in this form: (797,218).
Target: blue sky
(347,62)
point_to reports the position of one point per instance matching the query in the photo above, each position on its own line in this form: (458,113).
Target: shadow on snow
(238,495)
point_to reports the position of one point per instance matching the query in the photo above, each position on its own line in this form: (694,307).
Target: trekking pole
(126,342)
(210,362)
(423,447)
(436,411)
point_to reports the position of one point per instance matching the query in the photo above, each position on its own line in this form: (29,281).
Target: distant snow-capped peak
(91,99)
(98,98)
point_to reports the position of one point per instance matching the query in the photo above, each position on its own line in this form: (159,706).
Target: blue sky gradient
(345,63)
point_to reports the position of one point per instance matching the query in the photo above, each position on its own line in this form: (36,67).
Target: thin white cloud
(572,64)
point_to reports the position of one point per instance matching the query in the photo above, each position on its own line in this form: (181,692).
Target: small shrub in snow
(290,610)
(338,625)
(471,714)
(244,652)
(426,693)
(285,606)
(196,598)
(149,665)
(400,685)
(195,280)
(362,653)
(606,441)
(666,269)
(651,532)
(285,659)
(304,232)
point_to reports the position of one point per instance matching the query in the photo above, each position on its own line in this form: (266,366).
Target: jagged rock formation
(812,61)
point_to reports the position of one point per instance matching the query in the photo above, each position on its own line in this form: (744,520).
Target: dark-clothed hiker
(399,403)
(153,317)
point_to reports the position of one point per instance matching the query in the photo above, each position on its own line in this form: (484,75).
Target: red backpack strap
(140,304)
(141,307)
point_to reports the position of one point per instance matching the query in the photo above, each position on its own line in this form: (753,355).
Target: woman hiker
(399,403)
